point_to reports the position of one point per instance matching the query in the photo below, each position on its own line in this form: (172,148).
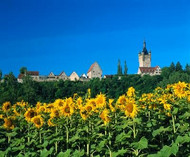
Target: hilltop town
(95,70)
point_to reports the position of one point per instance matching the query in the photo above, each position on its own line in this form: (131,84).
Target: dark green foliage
(178,67)
(1,75)
(31,91)
(9,89)
(119,68)
(187,69)
(23,70)
(125,68)
(172,67)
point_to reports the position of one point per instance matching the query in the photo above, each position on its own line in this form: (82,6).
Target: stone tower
(144,57)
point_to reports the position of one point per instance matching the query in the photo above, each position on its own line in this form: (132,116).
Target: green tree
(29,93)
(172,67)
(125,68)
(9,89)
(23,70)
(178,66)
(0,75)
(187,69)
(165,72)
(119,68)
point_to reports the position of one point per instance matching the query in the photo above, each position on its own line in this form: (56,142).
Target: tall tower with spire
(144,57)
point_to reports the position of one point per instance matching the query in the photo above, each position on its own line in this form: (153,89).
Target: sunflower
(67,110)
(29,114)
(49,107)
(104,116)
(100,100)
(1,116)
(22,104)
(8,123)
(38,121)
(131,92)
(167,106)
(110,105)
(50,123)
(6,106)
(131,109)
(41,107)
(179,89)
(59,103)
(188,98)
(89,108)
(15,110)
(69,101)
(79,103)
(122,100)
(84,114)
(54,113)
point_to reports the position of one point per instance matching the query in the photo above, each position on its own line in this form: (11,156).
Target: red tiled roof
(33,73)
(148,69)
(62,73)
(20,76)
(91,67)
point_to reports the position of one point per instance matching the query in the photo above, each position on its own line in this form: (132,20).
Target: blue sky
(70,35)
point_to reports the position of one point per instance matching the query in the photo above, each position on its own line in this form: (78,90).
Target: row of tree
(119,68)
(32,91)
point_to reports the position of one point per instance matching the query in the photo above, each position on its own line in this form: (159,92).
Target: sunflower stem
(40,135)
(28,133)
(173,122)
(9,139)
(88,140)
(67,134)
(149,115)
(109,132)
(115,118)
(134,129)
(110,153)
(56,141)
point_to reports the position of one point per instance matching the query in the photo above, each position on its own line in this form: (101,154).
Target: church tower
(144,57)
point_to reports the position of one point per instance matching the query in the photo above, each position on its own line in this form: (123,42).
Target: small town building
(63,76)
(149,70)
(145,63)
(94,71)
(74,76)
(52,77)
(33,74)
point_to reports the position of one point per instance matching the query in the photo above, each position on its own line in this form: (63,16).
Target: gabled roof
(51,74)
(83,76)
(74,76)
(20,76)
(148,69)
(92,66)
(74,73)
(33,73)
(62,74)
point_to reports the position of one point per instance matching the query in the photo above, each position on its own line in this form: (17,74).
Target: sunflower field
(154,124)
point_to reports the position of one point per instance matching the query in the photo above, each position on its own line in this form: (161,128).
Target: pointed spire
(144,48)
(144,44)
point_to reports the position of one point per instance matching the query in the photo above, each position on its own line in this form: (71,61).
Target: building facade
(94,71)
(74,76)
(145,63)
(144,57)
